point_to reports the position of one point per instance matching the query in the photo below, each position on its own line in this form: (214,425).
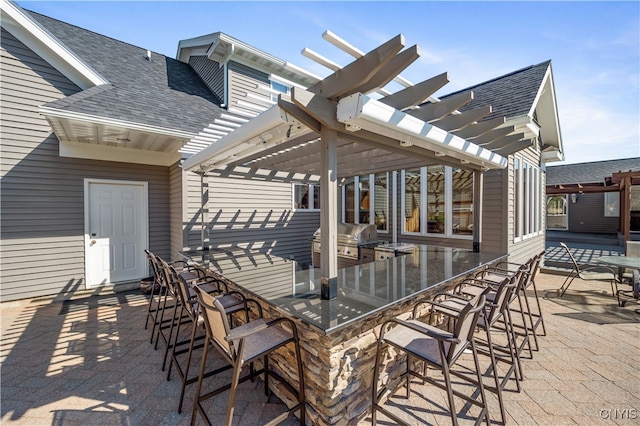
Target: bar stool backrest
(503,296)
(216,323)
(182,291)
(465,327)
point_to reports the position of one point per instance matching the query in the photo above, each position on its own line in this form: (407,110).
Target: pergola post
(477,209)
(625,207)
(329,213)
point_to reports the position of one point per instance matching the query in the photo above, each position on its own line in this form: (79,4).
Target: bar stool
(157,289)
(531,319)
(232,302)
(167,323)
(243,345)
(496,311)
(438,349)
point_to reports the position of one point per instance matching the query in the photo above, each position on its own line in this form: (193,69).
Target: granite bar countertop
(362,289)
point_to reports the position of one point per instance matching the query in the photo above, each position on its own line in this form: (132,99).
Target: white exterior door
(116,227)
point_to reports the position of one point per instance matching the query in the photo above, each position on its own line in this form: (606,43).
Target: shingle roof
(511,95)
(160,92)
(592,172)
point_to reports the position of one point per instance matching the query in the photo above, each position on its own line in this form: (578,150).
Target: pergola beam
(474,130)
(493,135)
(342,81)
(415,95)
(437,110)
(392,68)
(452,123)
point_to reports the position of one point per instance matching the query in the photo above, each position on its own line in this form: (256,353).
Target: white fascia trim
(113,153)
(236,46)
(541,90)
(53,112)
(37,38)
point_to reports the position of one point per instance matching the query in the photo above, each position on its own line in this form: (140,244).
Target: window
(612,204)
(365,200)
(557,212)
(279,85)
(306,197)
(381,201)
(527,204)
(462,215)
(441,197)
(412,182)
(557,205)
(436,200)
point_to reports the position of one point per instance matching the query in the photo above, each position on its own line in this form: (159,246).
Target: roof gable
(526,98)
(37,38)
(511,95)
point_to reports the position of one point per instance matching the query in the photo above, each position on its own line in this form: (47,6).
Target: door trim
(145,214)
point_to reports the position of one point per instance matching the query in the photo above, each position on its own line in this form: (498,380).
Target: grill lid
(354,233)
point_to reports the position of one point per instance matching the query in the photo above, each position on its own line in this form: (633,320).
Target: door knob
(93,242)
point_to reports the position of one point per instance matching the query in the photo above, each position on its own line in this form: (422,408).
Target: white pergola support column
(478,177)
(329,213)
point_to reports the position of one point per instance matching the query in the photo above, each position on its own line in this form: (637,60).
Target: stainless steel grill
(353,242)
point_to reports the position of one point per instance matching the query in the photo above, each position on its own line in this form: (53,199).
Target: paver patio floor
(89,362)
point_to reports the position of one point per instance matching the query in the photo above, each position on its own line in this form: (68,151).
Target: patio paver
(88,361)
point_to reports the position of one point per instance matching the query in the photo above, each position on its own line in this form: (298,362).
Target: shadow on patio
(89,361)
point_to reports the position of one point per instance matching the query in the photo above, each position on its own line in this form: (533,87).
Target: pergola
(618,182)
(336,129)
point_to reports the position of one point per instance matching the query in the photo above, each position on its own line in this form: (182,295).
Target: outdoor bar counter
(338,336)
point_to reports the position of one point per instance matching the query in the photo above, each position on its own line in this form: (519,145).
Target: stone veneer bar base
(338,366)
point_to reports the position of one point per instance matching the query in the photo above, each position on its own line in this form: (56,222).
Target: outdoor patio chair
(631,248)
(589,272)
(521,330)
(157,289)
(162,297)
(496,311)
(170,314)
(241,346)
(437,349)
(530,270)
(232,302)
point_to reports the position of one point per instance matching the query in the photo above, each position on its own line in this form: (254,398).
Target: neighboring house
(591,197)
(94,131)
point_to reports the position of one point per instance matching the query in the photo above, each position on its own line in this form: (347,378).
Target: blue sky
(594,46)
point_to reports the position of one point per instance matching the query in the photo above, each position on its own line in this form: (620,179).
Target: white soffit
(359,111)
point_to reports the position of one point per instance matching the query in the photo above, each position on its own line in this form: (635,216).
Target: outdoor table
(622,262)
(338,336)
